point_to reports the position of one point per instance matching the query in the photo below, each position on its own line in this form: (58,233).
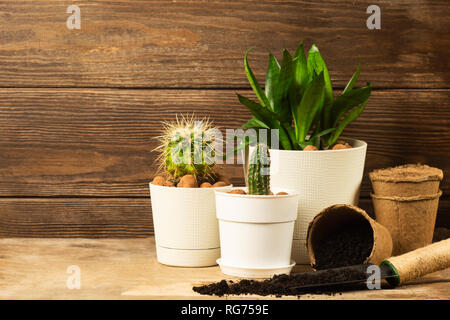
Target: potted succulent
(256,227)
(298,101)
(183,202)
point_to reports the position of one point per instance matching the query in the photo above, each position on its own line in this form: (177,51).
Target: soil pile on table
(346,246)
(288,285)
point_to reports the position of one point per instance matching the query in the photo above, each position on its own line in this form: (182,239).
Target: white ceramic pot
(186,228)
(256,233)
(321,178)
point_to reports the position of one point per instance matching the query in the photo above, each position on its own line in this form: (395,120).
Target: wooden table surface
(127,269)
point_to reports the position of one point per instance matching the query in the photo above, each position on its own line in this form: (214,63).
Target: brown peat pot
(343,235)
(410,220)
(406,181)
(406,200)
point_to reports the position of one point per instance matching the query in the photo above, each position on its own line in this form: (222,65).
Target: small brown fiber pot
(406,181)
(410,220)
(339,216)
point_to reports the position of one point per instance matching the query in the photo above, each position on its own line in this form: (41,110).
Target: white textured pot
(256,233)
(186,228)
(321,178)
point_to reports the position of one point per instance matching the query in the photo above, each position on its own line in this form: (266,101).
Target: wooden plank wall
(79,108)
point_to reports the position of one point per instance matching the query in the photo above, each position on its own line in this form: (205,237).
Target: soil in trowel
(346,246)
(287,285)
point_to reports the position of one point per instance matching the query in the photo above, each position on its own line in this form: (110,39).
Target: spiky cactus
(258,171)
(187,147)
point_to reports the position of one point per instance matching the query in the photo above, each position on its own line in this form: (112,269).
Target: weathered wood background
(79,108)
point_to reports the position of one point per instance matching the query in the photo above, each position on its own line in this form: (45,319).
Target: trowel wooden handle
(420,262)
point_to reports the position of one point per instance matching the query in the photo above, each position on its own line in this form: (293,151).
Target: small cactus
(258,171)
(187,148)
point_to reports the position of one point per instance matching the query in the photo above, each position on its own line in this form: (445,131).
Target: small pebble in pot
(219,184)
(188,181)
(340,146)
(169,184)
(282,193)
(205,185)
(237,191)
(159,181)
(310,148)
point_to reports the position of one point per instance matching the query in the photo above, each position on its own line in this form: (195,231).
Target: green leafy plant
(298,100)
(258,171)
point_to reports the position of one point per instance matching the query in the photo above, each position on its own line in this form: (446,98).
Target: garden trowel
(395,270)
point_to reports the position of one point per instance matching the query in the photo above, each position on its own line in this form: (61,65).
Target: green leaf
(272,77)
(321,133)
(345,102)
(311,104)
(291,134)
(285,142)
(284,82)
(282,106)
(316,65)
(285,115)
(239,147)
(265,115)
(351,83)
(254,83)
(258,111)
(301,78)
(254,123)
(352,115)
(268,117)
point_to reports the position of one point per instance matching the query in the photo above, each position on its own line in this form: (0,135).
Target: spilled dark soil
(290,285)
(346,246)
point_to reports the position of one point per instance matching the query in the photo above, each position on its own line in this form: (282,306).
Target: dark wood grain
(76,218)
(101,218)
(94,142)
(197,44)
(72,142)
(405,127)
(75,156)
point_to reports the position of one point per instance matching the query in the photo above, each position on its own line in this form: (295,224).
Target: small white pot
(321,178)
(186,228)
(256,233)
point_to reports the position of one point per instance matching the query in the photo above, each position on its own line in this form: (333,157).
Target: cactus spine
(258,171)
(186,146)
